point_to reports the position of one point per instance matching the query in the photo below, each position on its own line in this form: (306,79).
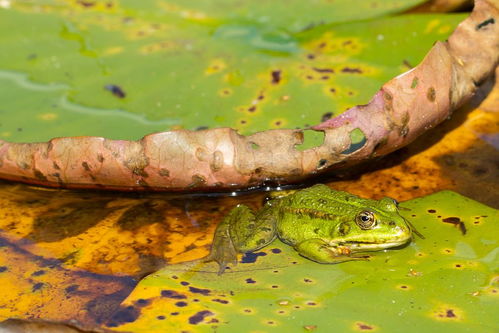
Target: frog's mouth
(366,246)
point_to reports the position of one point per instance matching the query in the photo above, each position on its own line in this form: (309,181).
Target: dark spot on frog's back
(251,257)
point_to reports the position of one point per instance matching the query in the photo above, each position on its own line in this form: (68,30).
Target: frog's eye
(365,220)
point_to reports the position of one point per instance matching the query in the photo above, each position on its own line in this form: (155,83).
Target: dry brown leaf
(403,109)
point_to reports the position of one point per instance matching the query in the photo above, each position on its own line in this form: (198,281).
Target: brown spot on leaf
(364,327)
(450,313)
(326,116)
(457,222)
(276,76)
(431,94)
(351,70)
(39,175)
(86,4)
(124,315)
(56,166)
(37,286)
(172,294)
(86,166)
(199,317)
(201,291)
(164,172)
(115,90)
(217,161)
(323,70)
(485,23)
(310,327)
(38,273)
(221,301)
(141,302)
(197,180)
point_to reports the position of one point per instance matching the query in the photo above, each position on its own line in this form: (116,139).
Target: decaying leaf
(217,159)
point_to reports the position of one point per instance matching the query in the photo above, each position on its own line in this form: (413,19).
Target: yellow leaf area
(70,256)
(74,256)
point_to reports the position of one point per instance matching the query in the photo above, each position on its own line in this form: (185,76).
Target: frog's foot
(223,250)
(321,252)
(241,231)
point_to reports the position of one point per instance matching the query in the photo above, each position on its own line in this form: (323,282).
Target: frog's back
(315,211)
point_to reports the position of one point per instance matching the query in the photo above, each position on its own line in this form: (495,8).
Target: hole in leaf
(311,139)
(357,140)
(255,146)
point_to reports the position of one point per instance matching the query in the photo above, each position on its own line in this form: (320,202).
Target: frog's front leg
(241,231)
(320,251)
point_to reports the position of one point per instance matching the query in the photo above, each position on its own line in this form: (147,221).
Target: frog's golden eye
(366,220)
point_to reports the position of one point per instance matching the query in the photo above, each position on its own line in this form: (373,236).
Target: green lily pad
(125,69)
(446,282)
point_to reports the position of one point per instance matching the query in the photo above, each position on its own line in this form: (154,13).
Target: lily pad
(446,282)
(123,69)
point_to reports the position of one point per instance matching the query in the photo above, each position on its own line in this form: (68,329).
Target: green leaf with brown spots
(446,282)
(122,69)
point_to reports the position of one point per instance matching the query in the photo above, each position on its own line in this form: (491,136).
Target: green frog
(321,224)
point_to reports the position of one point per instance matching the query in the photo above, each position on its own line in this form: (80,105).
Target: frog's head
(375,227)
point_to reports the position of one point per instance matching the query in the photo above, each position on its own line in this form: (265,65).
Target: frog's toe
(222,255)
